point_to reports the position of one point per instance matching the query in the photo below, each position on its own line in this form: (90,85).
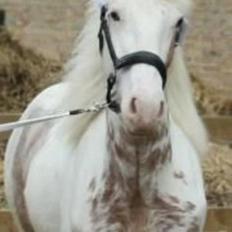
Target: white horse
(134,167)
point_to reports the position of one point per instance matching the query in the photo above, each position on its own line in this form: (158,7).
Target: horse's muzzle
(142,115)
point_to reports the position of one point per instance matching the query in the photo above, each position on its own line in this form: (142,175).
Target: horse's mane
(86,81)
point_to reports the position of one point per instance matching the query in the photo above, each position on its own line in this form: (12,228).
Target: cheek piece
(140,57)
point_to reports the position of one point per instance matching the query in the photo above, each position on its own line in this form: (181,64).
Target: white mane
(87,83)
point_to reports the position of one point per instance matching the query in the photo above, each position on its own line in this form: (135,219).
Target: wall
(209,46)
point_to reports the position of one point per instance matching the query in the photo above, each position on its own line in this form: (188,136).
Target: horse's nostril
(133,105)
(161,110)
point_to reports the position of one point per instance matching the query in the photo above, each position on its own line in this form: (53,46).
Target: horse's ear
(100,3)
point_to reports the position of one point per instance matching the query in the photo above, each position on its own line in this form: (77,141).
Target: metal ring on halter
(139,57)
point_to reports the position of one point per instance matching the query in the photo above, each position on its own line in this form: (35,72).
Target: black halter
(139,57)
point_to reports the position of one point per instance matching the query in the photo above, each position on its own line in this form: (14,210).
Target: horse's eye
(115,16)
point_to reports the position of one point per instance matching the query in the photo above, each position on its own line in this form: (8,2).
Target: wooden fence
(219,219)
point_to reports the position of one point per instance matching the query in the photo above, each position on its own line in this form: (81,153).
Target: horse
(135,166)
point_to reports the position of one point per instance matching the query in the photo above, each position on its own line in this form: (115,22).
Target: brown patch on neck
(92,185)
(180,176)
(138,213)
(134,161)
(110,206)
(190,206)
(168,205)
(194,227)
(141,157)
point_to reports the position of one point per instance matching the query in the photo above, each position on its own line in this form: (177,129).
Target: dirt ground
(218,175)
(22,74)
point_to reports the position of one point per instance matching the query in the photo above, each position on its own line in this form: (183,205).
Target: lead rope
(95,108)
(27,122)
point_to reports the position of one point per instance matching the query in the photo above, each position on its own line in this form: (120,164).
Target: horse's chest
(139,219)
(121,217)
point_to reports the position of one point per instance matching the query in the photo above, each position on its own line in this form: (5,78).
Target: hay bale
(22,74)
(218,175)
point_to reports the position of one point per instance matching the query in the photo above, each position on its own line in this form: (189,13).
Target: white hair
(181,103)
(84,74)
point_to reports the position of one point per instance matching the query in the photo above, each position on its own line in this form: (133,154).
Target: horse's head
(153,27)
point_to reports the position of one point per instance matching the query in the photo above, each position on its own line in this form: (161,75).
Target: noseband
(140,57)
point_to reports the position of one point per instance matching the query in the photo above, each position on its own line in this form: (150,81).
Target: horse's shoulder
(46,101)
(24,142)
(43,104)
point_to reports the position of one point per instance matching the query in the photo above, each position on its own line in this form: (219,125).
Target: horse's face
(137,25)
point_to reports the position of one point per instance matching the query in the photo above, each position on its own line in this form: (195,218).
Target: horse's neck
(135,162)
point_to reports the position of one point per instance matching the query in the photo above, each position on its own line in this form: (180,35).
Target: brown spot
(163,203)
(179,175)
(173,199)
(174,217)
(194,227)
(119,214)
(110,206)
(104,175)
(153,160)
(110,132)
(114,181)
(92,185)
(190,206)
(94,204)
(121,152)
(158,157)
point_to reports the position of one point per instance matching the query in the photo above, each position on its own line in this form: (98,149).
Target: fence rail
(218,220)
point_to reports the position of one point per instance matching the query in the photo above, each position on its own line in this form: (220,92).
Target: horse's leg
(21,149)
(180,203)
(14,183)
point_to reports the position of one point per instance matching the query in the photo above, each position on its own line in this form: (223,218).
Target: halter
(140,57)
